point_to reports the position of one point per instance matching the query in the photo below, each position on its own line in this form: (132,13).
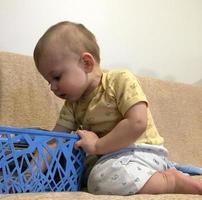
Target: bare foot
(186,184)
(171,181)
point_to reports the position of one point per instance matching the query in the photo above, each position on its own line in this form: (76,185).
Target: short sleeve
(127,91)
(66,118)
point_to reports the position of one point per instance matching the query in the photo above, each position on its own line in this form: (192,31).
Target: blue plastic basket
(17,155)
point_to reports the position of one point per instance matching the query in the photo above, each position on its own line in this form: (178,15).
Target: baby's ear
(88,62)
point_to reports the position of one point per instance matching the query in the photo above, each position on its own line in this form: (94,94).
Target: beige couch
(25,101)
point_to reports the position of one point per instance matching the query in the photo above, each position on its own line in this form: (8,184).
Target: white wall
(159,38)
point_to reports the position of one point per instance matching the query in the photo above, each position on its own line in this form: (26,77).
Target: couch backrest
(26,101)
(177,111)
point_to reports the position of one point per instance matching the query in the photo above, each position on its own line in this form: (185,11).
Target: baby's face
(65,74)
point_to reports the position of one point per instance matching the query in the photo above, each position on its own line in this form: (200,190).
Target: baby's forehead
(56,53)
(53,45)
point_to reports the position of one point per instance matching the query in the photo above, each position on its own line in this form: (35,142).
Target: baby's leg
(171,181)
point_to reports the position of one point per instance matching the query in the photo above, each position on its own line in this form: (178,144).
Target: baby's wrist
(98,147)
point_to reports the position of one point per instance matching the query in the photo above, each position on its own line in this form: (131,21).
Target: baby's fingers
(77,145)
(79,142)
(81,133)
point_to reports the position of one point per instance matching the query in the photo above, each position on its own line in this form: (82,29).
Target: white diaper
(126,171)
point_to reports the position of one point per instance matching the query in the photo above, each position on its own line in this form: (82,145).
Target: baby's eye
(57,78)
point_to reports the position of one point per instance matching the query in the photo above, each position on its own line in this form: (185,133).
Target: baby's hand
(87,142)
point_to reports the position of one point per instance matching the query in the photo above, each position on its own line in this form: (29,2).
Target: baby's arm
(124,133)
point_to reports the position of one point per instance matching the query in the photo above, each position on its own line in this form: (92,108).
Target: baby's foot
(186,184)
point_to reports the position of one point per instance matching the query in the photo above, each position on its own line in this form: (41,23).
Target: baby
(113,113)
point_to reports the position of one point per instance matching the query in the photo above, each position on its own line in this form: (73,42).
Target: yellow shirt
(106,105)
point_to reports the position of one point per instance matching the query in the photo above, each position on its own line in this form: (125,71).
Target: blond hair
(75,37)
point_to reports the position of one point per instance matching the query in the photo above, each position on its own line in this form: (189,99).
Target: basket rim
(33,131)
